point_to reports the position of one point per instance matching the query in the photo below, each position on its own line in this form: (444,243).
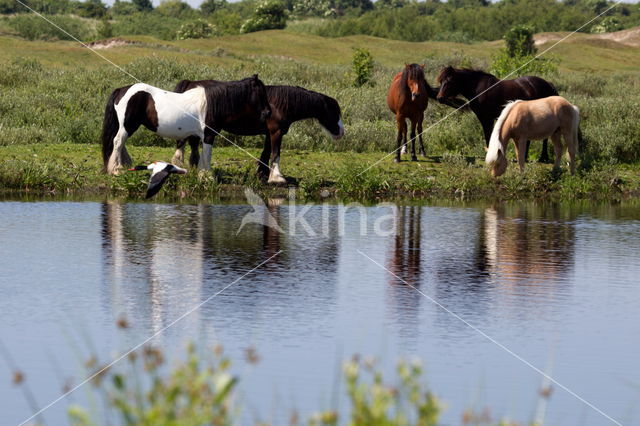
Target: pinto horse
(288,105)
(407,98)
(521,121)
(201,113)
(488,95)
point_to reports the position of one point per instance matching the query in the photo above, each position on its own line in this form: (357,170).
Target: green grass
(72,169)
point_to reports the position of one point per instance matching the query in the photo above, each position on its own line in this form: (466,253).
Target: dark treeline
(455,20)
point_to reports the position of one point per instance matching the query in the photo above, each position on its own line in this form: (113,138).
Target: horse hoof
(396,160)
(277,180)
(414,158)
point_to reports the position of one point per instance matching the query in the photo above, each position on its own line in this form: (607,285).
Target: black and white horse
(201,113)
(288,105)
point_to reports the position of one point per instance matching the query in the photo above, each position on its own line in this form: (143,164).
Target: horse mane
(227,98)
(494,143)
(298,101)
(468,72)
(414,72)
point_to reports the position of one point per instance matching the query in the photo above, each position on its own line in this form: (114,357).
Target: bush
(196,29)
(519,41)
(173,8)
(518,56)
(269,15)
(33,27)
(209,6)
(362,67)
(91,9)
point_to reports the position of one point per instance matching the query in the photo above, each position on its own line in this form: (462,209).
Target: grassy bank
(75,169)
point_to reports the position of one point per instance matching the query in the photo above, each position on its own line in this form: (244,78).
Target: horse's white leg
(116,159)
(205,158)
(178,156)
(275,176)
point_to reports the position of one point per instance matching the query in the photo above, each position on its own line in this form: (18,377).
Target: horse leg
(402,130)
(521,150)
(178,156)
(572,146)
(413,141)
(117,160)
(544,155)
(558,148)
(487,128)
(194,143)
(422,151)
(275,176)
(263,162)
(207,147)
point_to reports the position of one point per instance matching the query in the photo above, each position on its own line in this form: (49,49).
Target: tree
(269,15)
(209,6)
(173,8)
(123,8)
(91,9)
(143,5)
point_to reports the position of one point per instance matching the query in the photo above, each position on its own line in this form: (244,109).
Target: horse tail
(110,126)
(182,86)
(575,127)
(495,146)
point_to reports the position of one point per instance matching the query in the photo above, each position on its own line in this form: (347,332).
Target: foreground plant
(198,390)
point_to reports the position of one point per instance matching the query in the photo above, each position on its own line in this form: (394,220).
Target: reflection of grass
(76,169)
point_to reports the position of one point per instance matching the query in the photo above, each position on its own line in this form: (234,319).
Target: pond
(487,295)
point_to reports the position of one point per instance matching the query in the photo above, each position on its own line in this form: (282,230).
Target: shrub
(362,67)
(104,28)
(174,8)
(519,41)
(34,27)
(196,29)
(123,8)
(91,9)
(269,15)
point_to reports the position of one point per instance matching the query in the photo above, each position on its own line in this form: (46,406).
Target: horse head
(259,99)
(414,77)
(331,118)
(500,165)
(448,84)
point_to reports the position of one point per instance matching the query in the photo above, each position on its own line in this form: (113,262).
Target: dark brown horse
(288,105)
(407,98)
(488,95)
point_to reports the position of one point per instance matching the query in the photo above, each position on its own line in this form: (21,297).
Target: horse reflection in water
(404,264)
(163,260)
(528,245)
(147,283)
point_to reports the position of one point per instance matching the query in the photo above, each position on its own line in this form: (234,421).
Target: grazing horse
(521,121)
(288,105)
(200,112)
(488,95)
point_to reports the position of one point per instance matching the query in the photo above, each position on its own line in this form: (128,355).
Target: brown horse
(488,95)
(407,98)
(521,121)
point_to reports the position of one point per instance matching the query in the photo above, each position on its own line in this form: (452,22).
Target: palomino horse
(487,94)
(407,98)
(525,120)
(200,112)
(288,105)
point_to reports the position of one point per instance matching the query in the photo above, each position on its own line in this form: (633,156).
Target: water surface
(555,284)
